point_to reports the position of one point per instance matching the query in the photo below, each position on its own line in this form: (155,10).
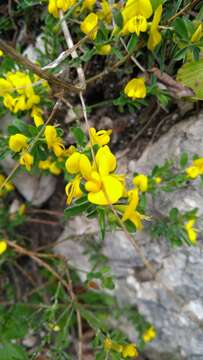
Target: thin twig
(52,80)
(182,11)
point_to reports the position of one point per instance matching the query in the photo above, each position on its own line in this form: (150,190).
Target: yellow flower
(130,212)
(79,163)
(154,35)
(55,5)
(136,88)
(24,98)
(141,181)
(135,15)
(197,34)
(101,137)
(54,169)
(3,246)
(88,4)
(54,142)
(105,13)
(1,53)
(149,334)
(44,164)
(196,169)
(107,344)
(73,189)
(27,160)
(158,180)
(18,142)
(36,114)
(104,50)
(5,86)
(191,232)
(89,26)
(104,188)
(129,351)
(54,327)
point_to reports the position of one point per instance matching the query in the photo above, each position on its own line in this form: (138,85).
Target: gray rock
(172,299)
(34,189)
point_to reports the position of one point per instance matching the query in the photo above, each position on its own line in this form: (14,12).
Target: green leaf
(76,209)
(156,3)
(118,18)
(181,28)
(184,159)
(174,214)
(9,351)
(132,43)
(191,75)
(91,319)
(79,136)
(107,283)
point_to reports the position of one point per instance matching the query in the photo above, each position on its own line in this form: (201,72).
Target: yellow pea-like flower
(3,246)
(136,88)
(141,181)
(18,142)
(191,231)
(154,34)
(27,160)
(149,334)
(101,137)
(129,351)
(89,26)
(104,50)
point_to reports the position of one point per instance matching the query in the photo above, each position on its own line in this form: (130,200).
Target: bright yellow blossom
(36,114)
(129,351)
(54,169)
(27,160)
(136,88)
(104,50)
(54,142)
(73,189)
(104,187)
(101,137)
(1,53)
(89,26)
(158,180)
(18,142)
(141,181)
(154,34)
(197,34)
(79,163)
(191,231)
(107,344)
(55,6)
(3,246)
(130,212)
(149,334)
(135,15)
(5,86)
(196,169)
(54,327)
(44,164)
(88,4)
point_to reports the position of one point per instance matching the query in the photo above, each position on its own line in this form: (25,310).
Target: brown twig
(182,11)
(52,80)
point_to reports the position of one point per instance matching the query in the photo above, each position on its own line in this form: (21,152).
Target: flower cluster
(126,350)
(18,94)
